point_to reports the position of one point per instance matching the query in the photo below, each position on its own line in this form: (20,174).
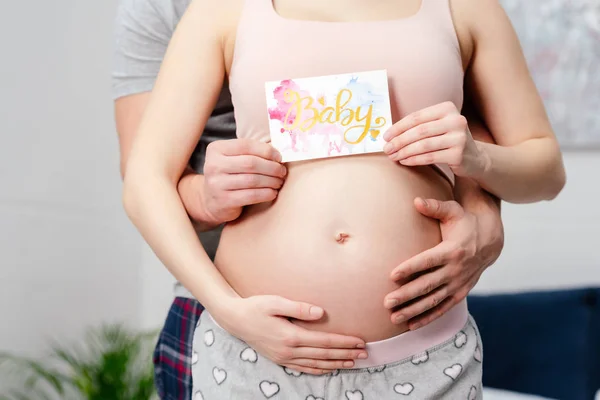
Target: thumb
(442,210)
(294,309)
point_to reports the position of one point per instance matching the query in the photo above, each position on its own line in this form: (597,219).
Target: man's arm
(143,32)
(141,40)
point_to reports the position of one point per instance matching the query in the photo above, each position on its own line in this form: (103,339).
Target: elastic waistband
(411,343)
(416,342)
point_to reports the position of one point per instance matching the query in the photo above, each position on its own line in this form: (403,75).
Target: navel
(341,237)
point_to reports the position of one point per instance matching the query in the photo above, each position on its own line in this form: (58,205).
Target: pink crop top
(421,54)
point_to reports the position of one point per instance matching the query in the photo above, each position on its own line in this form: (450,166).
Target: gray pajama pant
(226,368)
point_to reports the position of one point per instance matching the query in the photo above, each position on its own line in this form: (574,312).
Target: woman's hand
(263,322)
(435,135)
(237,173)
(447,272)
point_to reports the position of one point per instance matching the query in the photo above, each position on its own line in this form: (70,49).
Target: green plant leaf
(112,363)
(32,372)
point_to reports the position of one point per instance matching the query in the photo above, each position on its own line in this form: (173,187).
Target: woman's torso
(339,226)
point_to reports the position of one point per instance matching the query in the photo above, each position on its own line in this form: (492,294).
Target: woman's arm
(526,164)
(183,97)
(172,124)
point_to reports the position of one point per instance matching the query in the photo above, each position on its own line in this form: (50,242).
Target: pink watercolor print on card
(329,116)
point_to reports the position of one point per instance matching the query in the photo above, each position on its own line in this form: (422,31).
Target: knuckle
(291,340)
(416,117)
(462,136)
(327,354)
(434,302)
(210,167)
(251,180)
(422,146)
(212,146)
(327,342)
(210,179)
(460,120)
(280,357)
(454,274)
(285,354)
(249,164)
(430,262)
(242,146)
(429,287)
(422,130)
(458,253)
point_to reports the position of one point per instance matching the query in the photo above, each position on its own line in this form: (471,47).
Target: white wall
(68,256)
(553,244)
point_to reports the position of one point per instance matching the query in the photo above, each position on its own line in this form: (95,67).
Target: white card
(329,116)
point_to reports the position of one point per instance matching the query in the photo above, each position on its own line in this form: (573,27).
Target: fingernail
(348,364)
(284,172)
(415,326)
(400,318)
(389,303)
(315,311)
(388,148)
(360,346)
(425,203)
(362,356)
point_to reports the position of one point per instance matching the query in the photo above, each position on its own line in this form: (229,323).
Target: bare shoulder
(474,19)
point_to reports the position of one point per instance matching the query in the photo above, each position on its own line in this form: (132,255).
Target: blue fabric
(544,343)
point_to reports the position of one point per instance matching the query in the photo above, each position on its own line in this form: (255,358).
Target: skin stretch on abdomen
(331,238)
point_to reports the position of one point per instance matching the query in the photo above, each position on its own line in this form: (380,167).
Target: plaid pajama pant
(173,352)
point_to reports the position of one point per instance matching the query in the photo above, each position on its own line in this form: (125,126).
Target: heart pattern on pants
(198,396)
(209,337)
(292,372)
(420,358)
(453,371)
(248,354)
(404,388)
(473,393)
(219,374)
(460,340)
(269,389)
(373,370)
(354,395)
(477,354)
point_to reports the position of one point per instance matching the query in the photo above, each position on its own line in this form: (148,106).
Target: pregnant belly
(331,238)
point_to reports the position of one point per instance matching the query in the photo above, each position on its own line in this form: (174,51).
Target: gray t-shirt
(143,29)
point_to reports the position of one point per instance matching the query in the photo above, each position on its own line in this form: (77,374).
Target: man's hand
(237,173)
(446,273)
